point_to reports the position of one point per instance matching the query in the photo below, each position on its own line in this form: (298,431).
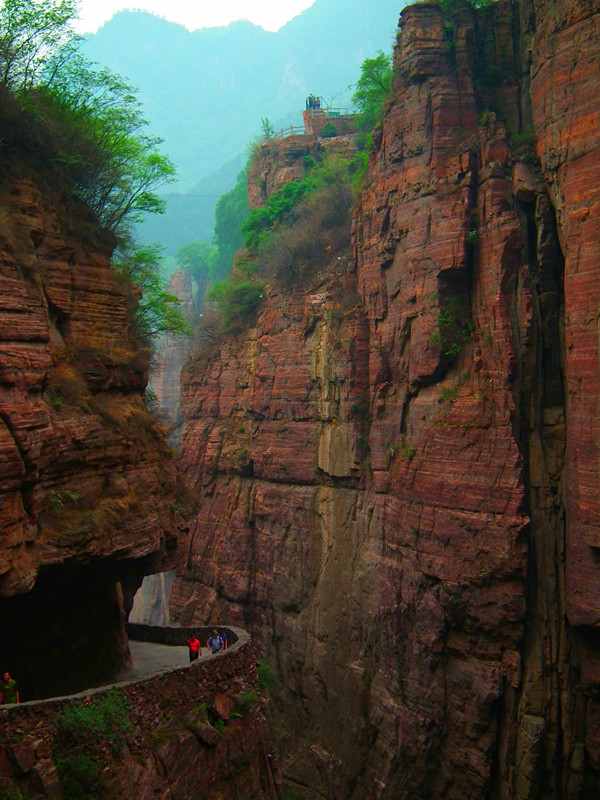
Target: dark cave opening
(67,634)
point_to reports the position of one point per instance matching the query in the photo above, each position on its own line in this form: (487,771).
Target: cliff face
(87,483)
(398,466)
(280,161)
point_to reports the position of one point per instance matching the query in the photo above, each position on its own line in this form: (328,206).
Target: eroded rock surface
(398,465)
(87,483)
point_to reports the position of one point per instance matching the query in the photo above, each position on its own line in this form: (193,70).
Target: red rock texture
(565,86)
(86,477)
(171,747)
(279,161)
(397,466)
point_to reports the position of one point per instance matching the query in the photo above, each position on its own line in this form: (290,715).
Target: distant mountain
(189,215)
(206,92)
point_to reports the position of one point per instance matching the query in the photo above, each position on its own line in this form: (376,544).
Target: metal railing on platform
(293,130)
(331,112)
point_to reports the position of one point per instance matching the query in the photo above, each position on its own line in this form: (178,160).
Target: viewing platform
(316,116)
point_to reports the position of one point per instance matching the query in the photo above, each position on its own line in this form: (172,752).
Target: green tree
(196,258)
(86,126)
(372,89)
(31,34)
(238,302)
(329,130)
(230,213)
(158,311)
(267,129)
(92,115)
(115,167)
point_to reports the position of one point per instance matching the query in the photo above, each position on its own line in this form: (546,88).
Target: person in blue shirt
(214,642)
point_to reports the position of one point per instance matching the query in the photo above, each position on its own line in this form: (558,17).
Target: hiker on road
(194,648)
(9,689)
(215,643)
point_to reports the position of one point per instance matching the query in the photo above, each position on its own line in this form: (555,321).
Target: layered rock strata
(88,488)
(279,161)
(398,464)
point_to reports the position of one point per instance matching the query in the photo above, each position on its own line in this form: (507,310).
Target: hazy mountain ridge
(205,92)
(238,74)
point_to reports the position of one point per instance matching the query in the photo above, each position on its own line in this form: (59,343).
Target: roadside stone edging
(145,633)
(164,747)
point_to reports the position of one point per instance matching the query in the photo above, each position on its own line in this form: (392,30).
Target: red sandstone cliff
(278,162)
(87,484)
(398,466)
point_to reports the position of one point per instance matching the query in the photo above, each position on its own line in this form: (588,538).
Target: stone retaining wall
(182,728)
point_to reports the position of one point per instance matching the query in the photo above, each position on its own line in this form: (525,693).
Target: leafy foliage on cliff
(230,214)
(197,258)
(372,89)
(30,35)
(238,301)
(82,129)
(298,230)
(91,117)
(306,221)
(453,6)
(86,735)
(114,166)
(158,311)
(261,222)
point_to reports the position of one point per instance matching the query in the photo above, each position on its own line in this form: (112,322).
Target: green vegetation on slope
(300,226)
(157,312)
(230,215)
(84,126)
(86,736)
(287,240)
(207,91)
(372,90)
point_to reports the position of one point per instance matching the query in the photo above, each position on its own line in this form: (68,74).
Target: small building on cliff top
(318,114)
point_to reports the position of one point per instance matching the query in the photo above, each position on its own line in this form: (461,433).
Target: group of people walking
(214,644)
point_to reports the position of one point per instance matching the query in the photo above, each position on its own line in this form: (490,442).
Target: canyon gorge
(397,466)
(390,479)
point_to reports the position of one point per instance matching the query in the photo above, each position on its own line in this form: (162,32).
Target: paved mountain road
(150,659)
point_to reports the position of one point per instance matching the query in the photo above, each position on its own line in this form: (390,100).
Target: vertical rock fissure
(543,436)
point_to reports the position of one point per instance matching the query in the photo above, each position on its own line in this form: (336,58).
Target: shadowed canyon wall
(398,464)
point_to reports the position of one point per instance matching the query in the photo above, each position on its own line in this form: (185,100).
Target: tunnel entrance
(67,634)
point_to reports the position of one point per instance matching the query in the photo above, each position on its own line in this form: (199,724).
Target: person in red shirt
(194,647)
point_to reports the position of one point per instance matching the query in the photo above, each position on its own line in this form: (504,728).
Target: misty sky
(270,14)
